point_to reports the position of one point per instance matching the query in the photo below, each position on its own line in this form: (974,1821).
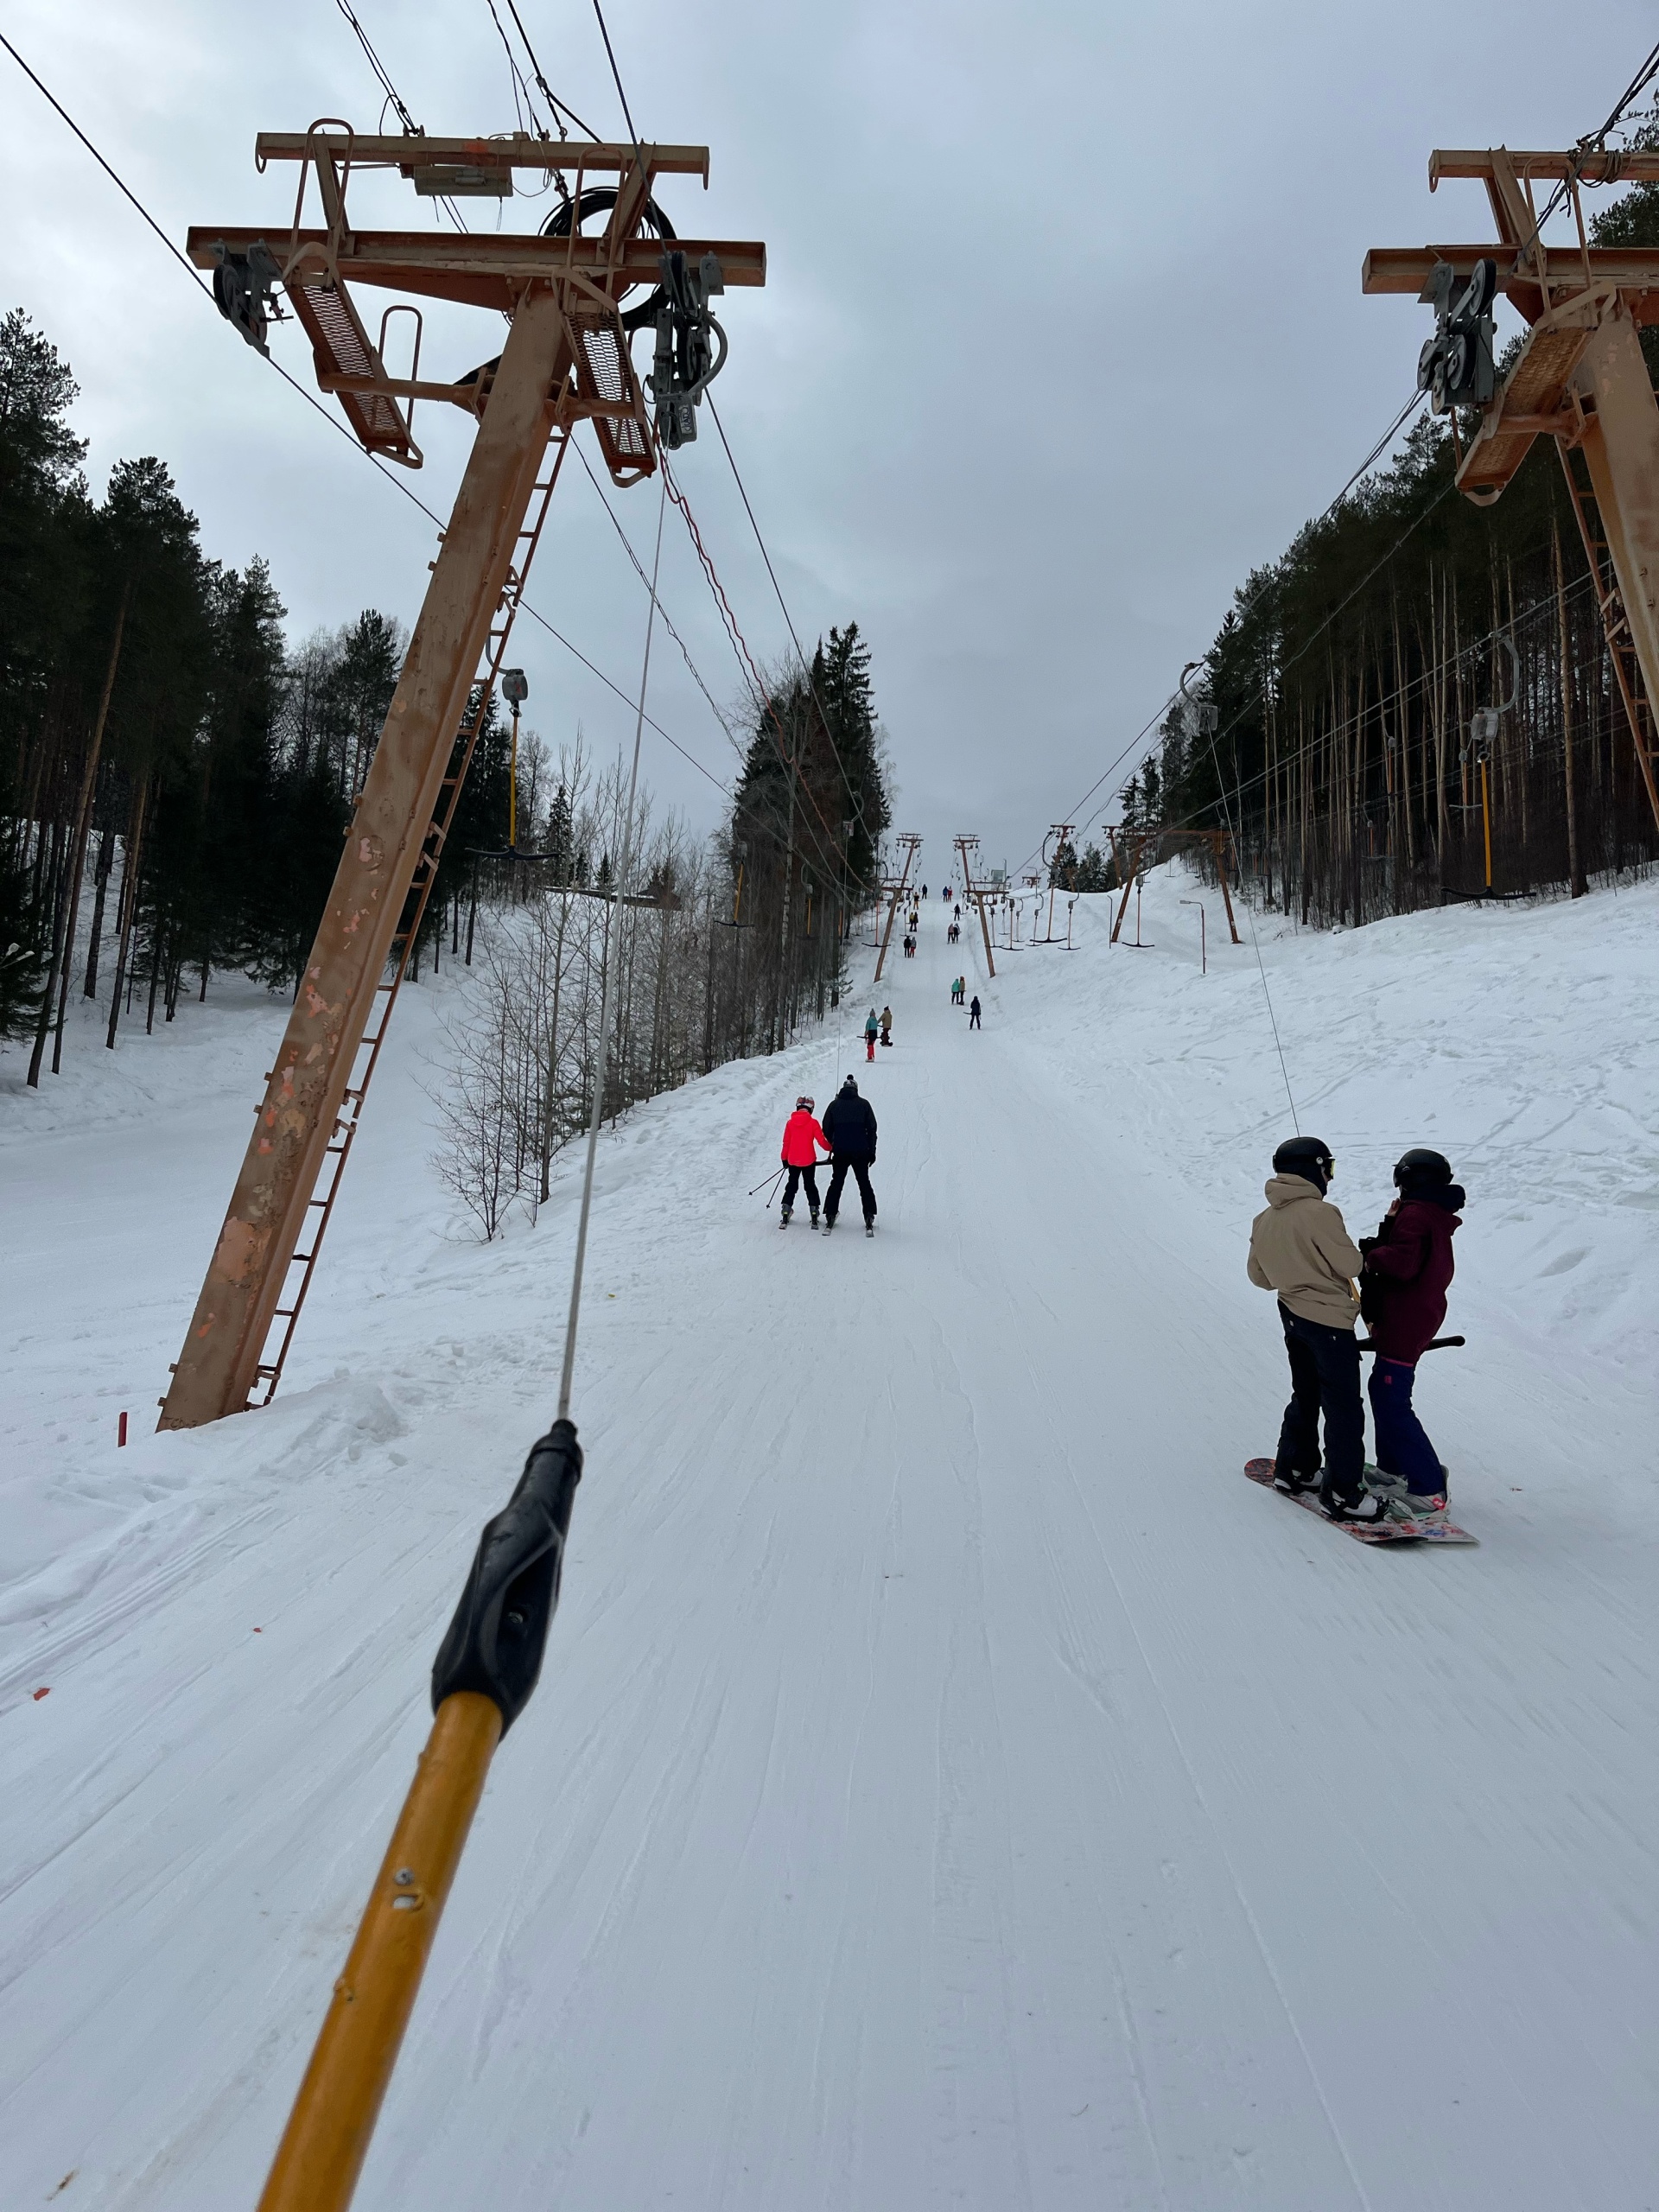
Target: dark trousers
(1402,1445)
(837,1176)
(973,1019)
(1324,1379)
(796,1177)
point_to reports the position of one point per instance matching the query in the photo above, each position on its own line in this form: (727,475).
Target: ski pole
(482,1679)
(1440,1344)
(778,1178)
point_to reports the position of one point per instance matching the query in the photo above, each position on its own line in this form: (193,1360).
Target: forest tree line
(175,783)
(1338,750)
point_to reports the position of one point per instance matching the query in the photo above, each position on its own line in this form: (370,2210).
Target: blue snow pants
(1324,1379)
(1402,1445)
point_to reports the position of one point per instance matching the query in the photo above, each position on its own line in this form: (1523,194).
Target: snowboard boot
(1396,1501)
(1292,1480)
(1342,1506)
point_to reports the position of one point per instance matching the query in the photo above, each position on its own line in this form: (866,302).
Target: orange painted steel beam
(484,269)
(219,1364)
(1408,268)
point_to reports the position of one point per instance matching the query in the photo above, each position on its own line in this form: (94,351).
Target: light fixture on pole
(515,690)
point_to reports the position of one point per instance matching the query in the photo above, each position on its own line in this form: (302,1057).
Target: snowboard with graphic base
(1364,1532)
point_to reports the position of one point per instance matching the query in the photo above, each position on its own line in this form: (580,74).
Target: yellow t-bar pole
(329,2131)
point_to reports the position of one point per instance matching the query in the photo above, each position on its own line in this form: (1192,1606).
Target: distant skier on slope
(973,1012)
(886,1025)
(1300,1248)
(849,1125)
(1408,1266)
(803,1142)
(871,1028)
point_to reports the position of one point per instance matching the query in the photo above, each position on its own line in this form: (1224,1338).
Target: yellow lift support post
(1581,378)
(565,359)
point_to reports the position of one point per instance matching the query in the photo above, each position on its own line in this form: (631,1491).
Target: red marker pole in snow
(121,1430)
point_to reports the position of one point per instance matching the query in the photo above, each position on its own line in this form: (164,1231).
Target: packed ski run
(950,1782)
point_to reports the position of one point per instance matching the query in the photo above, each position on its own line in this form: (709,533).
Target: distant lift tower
(566,358)
(967,847)
(1581,378)
(896,890)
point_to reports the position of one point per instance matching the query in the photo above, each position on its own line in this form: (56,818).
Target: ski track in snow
(950,1782)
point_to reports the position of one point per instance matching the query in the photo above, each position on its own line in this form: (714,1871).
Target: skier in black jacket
(850,1131)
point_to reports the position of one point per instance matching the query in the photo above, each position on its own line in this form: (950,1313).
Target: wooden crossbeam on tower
(565,360)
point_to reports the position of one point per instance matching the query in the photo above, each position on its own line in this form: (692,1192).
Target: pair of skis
(1437,1531)
(869,1226)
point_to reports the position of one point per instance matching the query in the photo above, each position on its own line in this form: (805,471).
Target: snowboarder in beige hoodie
(1300,1249)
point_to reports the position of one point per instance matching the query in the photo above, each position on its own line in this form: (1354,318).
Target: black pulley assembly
(245,286)
(686,361)
(1456,365)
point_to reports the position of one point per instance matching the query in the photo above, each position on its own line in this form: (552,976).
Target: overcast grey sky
(1063,330)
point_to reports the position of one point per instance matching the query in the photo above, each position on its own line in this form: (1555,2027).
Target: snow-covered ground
(950,1782)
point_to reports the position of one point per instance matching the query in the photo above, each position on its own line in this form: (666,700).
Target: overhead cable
(627,547)
(833,858)
(411,128)
(1240,613)
(546,90)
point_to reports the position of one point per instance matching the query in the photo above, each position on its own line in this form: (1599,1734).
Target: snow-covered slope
(951,1782)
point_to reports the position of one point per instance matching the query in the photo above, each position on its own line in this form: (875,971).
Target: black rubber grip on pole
(495,1642)
(1437,1343)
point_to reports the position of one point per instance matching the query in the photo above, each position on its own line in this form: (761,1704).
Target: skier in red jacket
(1408,1266)
(803,1140)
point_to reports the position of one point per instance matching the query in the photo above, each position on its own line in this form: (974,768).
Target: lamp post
(515,690)
(1204,943)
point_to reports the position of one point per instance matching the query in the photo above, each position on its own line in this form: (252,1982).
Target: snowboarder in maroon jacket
(1408,1266)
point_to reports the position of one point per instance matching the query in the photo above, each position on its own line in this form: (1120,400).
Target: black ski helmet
(1420,1169)
(1308,1157)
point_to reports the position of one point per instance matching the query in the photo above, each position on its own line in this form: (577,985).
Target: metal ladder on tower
(1621,646)
(302,1266)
